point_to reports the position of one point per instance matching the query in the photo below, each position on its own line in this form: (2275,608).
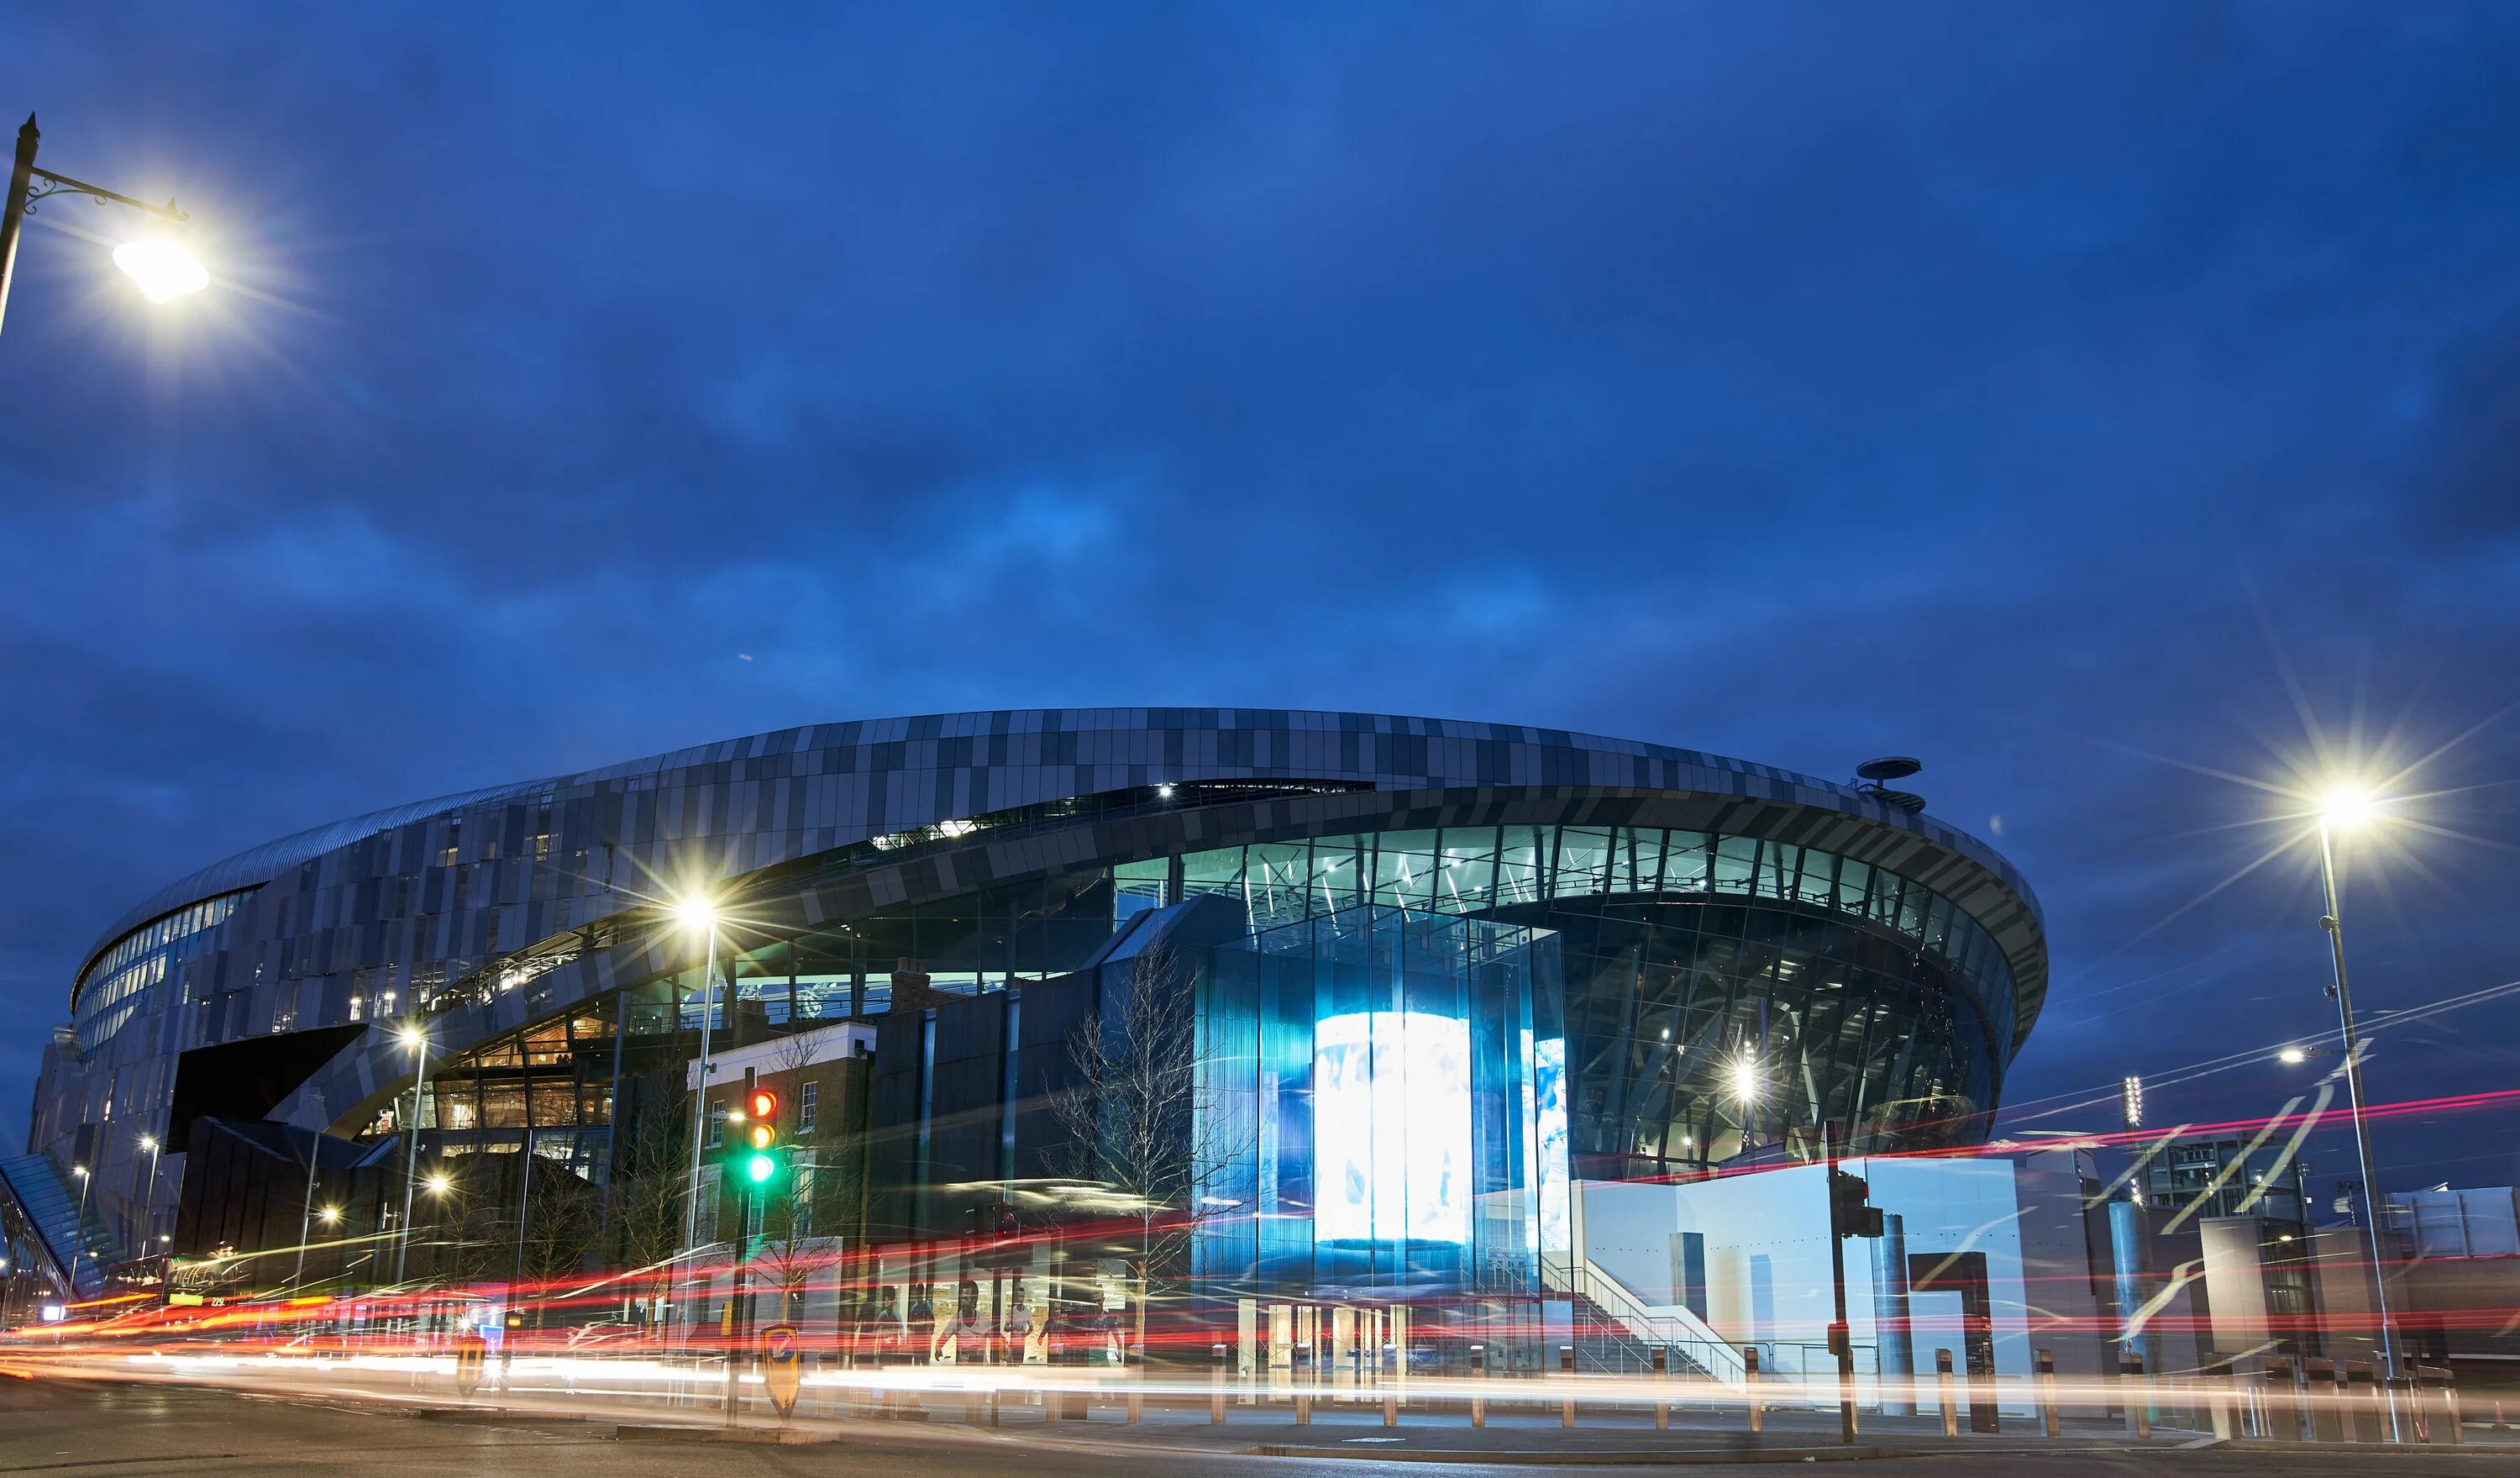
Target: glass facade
(1381,1075)
(115,987)
(1851,997)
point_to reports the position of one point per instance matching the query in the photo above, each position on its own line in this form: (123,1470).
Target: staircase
(1615,1331)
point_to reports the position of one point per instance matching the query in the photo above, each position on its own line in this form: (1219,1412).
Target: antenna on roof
(1870,777)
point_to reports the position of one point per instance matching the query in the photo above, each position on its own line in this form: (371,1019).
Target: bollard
(2043,1373)
(2138,1400)
(1947,1390)
(2325,1410)
(1566,1367)
(1662,1380)
(1300,1361)
(2365,1418)
(2214,1374)
(2398,1398)
(2441,1409)
(1478,1377)
(1134,1362)
(1216,1386)
(1750,1387)
(2283,1400)
(2499,1424)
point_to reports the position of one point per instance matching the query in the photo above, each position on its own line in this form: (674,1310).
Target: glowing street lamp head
(695,913)
(148,1142)
(329,1215)
(439,1184)
(1745,1078)
(2291,1055)
(411,1035)
(164,267)
(80,1171)
(2346,807)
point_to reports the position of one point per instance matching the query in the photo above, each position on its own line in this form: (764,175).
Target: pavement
(71,1425)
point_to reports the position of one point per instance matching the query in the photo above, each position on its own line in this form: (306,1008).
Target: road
(74,1427)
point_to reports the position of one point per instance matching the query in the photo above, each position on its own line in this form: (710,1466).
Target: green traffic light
(761,1168)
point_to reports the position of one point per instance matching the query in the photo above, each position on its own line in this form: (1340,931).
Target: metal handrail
(1679,1329)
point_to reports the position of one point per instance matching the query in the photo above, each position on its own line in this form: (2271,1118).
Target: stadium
(1433,972)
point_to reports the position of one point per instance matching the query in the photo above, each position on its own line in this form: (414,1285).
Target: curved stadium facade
(1715,958)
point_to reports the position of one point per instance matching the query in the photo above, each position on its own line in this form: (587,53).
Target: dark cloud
(2030,391)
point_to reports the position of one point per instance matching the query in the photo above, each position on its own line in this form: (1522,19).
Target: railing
(1674,1328)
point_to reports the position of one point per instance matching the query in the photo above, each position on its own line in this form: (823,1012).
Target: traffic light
(759,1156)
(1851,1212)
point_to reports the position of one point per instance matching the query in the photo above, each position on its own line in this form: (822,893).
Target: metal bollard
(2325,1410)
(1216,1386)
(2441,1410)
(2365,1418)
(1136,1366)
(1947,1390)
(2283,1400)
(1300,1361)
(2139,1396)
(1390,1377)
(1566,1367)
(1750,1387)
(1479,1375)
(1662,1381)
(2043,1374)
(2214,1377)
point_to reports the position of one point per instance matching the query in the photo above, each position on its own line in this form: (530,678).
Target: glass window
(716,1122)
(1143,880)
(1521,863)
(1735,859)
(1853,880)
(1273,876)
(1583,861)
(1776,866)
(1640,852)
(1405,868)
(1819,886)
(806,1107)
(1218,871)
(1912,910)
(1469,880)
(1684,862)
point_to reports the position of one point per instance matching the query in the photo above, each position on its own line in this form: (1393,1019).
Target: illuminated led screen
(1391,1127)
(1549,1078)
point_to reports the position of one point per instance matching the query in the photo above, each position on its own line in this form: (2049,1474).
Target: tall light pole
(79,1227)
(415,1035)
(162,264)
(149,1199)
(2343,809)
(699,915)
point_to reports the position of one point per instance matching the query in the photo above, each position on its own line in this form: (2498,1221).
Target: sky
(2117,407)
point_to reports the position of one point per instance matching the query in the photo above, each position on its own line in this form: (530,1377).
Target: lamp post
(699,915)
(2342,809)
(149,1201)
(162,266)
(79,1227)
(413,1036)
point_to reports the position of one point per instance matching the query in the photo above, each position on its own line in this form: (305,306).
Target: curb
(1665,1459)
(775,1437)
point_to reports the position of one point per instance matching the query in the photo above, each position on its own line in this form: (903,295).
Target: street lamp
(413,1036)
(148,1202)
(698,914)
(160,263)
(79,1228)
(2343,809)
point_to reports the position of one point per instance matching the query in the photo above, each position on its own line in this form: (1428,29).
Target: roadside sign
(469,1354)
(782,1366)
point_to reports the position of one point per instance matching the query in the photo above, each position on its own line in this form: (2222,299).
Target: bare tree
(561,1223)
(647,1201)
(1143,1121)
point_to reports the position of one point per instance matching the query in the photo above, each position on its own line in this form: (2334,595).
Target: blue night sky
(2113,405)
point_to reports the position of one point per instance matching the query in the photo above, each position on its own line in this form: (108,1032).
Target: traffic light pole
(1840,1335)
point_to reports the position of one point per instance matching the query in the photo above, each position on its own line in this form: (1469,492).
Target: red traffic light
(762,1106)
